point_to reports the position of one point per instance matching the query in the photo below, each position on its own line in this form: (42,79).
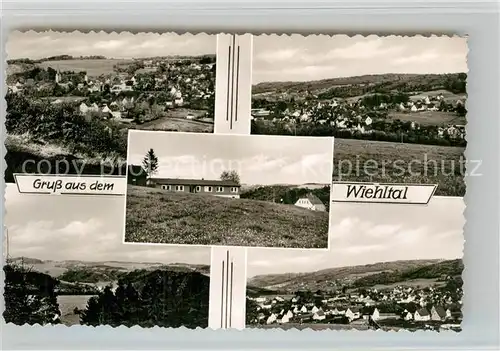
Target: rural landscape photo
(73,96)
(389,267)
(229,190)
(386,100)
(73,269)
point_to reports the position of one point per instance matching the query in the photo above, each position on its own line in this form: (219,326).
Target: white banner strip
(71,185)
(382,193)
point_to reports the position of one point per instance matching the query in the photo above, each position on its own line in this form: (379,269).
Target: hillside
(360,276)
(383,82)
(156,216)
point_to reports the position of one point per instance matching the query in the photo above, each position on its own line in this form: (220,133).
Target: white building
(311,202)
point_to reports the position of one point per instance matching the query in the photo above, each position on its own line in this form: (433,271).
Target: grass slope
(400,163)
(154,216)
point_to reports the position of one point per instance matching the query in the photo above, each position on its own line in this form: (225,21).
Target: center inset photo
(228,190)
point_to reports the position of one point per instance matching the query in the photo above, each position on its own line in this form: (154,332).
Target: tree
(230,176)
(30,297)
(150,163)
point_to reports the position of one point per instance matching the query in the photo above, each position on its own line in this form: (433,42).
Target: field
(153,216)
(94,68)
(422,283)
(67,304)
(377,161)
(429,118)
(448,96)
(177,124)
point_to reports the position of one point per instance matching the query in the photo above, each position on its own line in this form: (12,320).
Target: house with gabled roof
(438,313)
(319,315)
(422,315)
(311,202)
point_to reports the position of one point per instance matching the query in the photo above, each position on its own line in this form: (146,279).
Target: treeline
(309,129)
(285,194)
(434,271)
(86,275)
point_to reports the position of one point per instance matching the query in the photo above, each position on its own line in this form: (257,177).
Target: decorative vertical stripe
(237,83)
(228,81)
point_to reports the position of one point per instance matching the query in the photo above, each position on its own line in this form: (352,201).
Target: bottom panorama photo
(389,267)
(66,264)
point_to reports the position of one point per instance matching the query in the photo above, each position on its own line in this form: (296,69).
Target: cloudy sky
(86,228)
(299,58)
(257,159)
(36,45)
(370,233)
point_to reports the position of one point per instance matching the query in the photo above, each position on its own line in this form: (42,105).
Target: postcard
(235,180)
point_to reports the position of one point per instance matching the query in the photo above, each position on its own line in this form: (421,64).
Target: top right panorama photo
(396,105)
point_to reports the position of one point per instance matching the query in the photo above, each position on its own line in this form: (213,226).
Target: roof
(423,312)
(440,311)
(180,181)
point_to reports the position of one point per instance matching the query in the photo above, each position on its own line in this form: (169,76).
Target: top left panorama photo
(72,97)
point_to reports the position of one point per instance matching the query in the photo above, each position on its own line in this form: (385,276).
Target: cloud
(278,55)
(423,57)
(363,49)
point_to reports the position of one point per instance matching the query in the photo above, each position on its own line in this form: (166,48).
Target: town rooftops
(180,181)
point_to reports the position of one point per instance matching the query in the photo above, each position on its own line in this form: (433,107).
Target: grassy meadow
(378,161)
(154,216)
(429,118)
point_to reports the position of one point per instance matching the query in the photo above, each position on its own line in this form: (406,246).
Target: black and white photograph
(387,100)
(66,264)
(389,267)
(228,190)
(72,96)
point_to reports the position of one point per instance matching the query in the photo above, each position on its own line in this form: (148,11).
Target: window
(166,187)
(179,187)
(198,189)
(220,189)
(208,189)
(234,189)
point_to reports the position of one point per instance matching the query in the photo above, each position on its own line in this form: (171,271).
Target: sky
(87,228)
(305,58)
(36,45)
(258,159)
(369,233)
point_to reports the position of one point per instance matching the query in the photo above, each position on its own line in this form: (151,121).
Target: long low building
(223,188)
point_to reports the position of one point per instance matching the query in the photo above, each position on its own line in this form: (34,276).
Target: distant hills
(389,81)
(94,272)
(359,276)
